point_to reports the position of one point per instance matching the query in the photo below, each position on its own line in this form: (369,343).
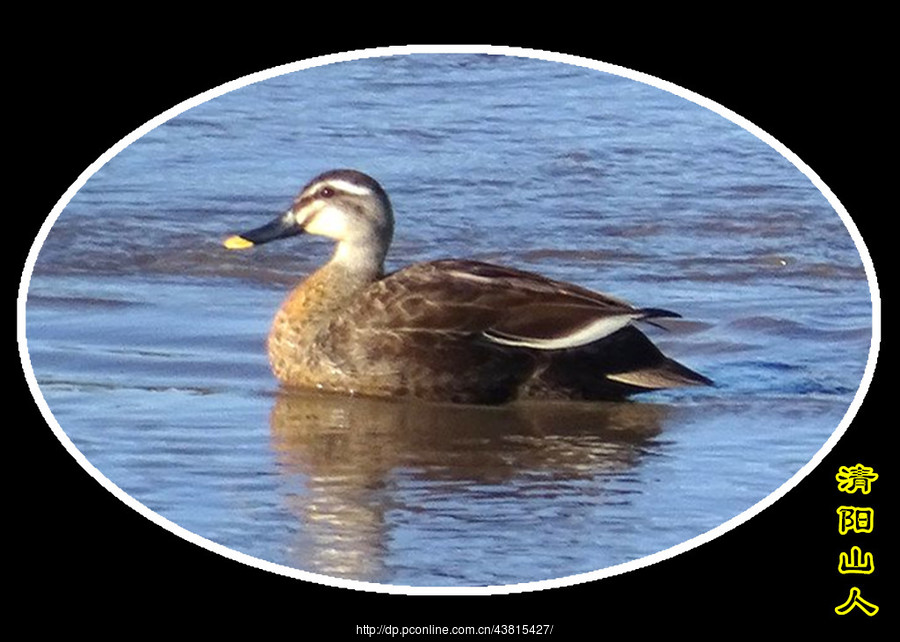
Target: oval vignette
(294,456)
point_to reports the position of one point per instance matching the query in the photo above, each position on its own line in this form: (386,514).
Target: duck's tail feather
(668,374)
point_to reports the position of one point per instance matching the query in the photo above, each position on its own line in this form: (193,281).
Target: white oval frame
(441,590)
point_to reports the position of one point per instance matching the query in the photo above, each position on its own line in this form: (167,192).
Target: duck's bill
(281,227)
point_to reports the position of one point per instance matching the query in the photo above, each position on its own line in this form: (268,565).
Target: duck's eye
(326,192)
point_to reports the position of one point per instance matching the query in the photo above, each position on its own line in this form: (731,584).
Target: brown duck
(450,330)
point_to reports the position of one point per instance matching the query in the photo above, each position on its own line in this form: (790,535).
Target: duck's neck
(337,282)
(358,263)
(330,288)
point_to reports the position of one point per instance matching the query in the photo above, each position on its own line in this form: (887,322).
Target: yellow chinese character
(855,478)
(856,562)
(856,601)
(856,519)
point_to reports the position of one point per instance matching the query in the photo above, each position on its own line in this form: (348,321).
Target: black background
(94,564)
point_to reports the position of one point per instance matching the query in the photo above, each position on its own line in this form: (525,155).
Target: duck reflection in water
(364,466)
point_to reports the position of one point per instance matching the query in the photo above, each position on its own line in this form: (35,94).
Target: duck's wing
(506,306)
(621,365)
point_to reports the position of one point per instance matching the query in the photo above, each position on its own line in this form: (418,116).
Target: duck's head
(345,205)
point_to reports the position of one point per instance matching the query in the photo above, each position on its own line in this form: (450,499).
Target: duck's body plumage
(449,330)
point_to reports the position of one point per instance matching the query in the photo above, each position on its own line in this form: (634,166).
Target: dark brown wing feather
(473,297)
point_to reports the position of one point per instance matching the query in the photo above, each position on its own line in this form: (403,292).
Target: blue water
(146,336)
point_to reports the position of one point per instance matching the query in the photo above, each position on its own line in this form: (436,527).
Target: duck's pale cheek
(328,222)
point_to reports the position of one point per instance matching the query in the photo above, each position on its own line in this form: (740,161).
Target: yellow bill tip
(237,243)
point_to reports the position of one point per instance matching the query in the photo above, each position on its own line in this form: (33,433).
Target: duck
(448,330)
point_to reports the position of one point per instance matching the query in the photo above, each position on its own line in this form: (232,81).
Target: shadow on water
(371,467)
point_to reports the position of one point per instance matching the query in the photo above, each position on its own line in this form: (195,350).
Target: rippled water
(146,337)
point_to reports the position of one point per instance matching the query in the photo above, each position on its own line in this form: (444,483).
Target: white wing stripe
(588,334)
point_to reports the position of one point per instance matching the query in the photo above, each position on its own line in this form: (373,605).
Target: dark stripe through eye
(326,192)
